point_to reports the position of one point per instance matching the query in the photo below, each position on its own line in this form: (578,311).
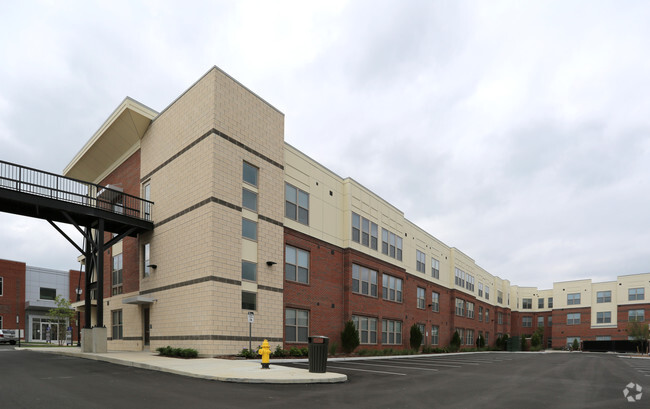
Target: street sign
(251,317)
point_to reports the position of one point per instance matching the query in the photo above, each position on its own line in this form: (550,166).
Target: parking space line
(356,369)
(393,366)
(429,363)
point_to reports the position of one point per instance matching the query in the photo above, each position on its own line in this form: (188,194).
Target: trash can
(318,354)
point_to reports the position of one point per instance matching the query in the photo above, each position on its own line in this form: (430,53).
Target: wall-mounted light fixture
(270,263)
(154,266)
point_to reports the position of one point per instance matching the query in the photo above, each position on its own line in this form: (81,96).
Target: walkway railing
(37,182)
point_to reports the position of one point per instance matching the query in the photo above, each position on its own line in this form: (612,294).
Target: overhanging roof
(116,137)
(138,299)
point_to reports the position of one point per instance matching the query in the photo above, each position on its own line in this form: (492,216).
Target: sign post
(251,319)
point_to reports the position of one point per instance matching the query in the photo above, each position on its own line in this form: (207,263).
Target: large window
(540,303)
(367,328)
(636,315)
(635,294)
(480,313)
(573,299)
(116,324)
(573,319)
(249,199)
(47,294)
(465,280)
(487,291)
(435,301)
(527,322)
(421,261)
(603,297)
(500,318)
(248,229)
(391,288)
(364,231)
(460,307)
(540,321)
(248,270)
(420,298)
(500,296)
(248,301)
(527,303)
(296,325)
(435,268)
(296,204)
(470,309)
(116,275)
(250,174)
(364,280)
(391,332)
(604,317)
(391,244)
(480,289)
(550,302)
(296,266)
(435,330)
(469,337)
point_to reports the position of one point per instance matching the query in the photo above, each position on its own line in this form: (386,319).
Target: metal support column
(100,273)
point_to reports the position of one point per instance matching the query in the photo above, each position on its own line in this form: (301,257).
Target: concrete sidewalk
(226,370)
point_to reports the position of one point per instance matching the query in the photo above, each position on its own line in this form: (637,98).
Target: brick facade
(12,297)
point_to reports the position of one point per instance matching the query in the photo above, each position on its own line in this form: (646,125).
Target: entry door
(146,326)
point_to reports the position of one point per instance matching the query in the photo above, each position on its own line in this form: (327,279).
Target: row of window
(602,317)
(633,294)
(462,279)
(466,308)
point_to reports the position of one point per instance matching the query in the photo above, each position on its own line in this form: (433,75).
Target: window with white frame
(391,244)
(550,302)
(636,315)
(249,229)
(573,299)
(500,296)
(573,318)
(391,332)
(470,310)
(421,261)
(603,297)
(435,301)
(480,313)
(540,303)
(420,297)
(435,330)
(526,303)
(364,280)
(248,270)
(540,321)
(364,231)
(435,268)
(460,307)
(550,320)
(249,199)
(487,315)
(461,334)
(603,317)
(462,279)
(296,327)
(116,324)
(146,268)
(480,289)
(116,275)
(296,266)
(487,292)
(500,318)
(469,337)
(249,173)
(296,205)
(424,334)
(527,322)
(392,288)
(367,328)
(635,294)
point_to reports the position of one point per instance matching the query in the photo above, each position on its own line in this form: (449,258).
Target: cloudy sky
(518,132)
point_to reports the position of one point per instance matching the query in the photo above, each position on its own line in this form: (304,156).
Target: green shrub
(349,337)
(304,351)
(416,337)
(247,353)
(575,345)
(178,352)
(293,351)
(279,352)
(189,353)
(523,342)
(454,345)
(504,342)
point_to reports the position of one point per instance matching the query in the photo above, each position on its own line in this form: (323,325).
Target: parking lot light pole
(18,326)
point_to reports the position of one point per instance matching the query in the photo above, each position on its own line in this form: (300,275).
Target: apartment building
(244,222)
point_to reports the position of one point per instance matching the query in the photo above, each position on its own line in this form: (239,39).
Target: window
(487,338)
(500,318)
(635,294)
(1,288)
(250,174)
(480,313)
(573,319)
(296,325)
(469,337)
(540,321)
(392,288)
(424,334)
(248,300)
(296,204)
(603,338)
(461,334)
(550,321)
(296,266)
(603,297)
(527,322)
(391,332)
(1,322)
(364,280)
(421,298)
(146,260)
(480,289)
(116,275)
(636,315)
(364,231)
(470,310)
(527,303)
(391,245)
(569,340)
(435,268)
(249,200)
(465,280)
(487,292)
(487,315)
(367,328)
(550,302)
(500,297)
(421,261)
(296,328)
(460,307)
(248,271)
(116,324)
(604,317)
(573,299)
(47,294)
(435,330)
(540,303)
(147,205)
(248,229)
(435,302)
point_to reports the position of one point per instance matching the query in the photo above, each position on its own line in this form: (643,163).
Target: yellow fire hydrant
(265,351)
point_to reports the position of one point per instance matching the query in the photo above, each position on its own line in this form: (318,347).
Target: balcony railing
(39,183)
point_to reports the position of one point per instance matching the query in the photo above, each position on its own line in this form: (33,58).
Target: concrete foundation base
(94,340)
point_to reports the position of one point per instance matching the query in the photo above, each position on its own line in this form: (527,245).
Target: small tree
(454,345)
(349,337)
(639,332)
(61,314)
(536,339)
(416,337)
(480,341)
(575,345)
(504,342)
